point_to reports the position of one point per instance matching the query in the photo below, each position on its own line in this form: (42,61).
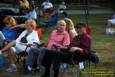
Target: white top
(32,37)
(31,15)
(47,5)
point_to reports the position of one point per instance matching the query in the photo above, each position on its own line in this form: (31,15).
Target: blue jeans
(40,52)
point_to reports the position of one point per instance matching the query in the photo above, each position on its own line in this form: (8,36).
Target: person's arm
(66,40)
(86,45)
(72,32)
(8,46)
(19,26)
(74,49)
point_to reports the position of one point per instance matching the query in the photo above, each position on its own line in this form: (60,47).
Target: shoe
(38,69)
(28,70)
(81,65)
(12,68)
(63,66)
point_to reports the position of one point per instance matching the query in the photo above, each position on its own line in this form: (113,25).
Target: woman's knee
(12,50)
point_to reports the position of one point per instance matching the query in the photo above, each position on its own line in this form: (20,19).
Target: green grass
(103,44)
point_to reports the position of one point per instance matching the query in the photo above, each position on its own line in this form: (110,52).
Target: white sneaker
(81,65)
(11,68)
(29,68)
(63,66)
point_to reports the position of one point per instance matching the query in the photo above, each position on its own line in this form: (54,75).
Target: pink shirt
(59,39)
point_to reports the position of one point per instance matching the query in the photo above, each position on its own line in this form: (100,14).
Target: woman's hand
(73,49)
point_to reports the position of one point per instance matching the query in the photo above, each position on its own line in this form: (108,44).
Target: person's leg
(56,63)
(110,26)
(11,53)
(47,63)
(8,46)
(80,58)
(41,52)
(12,66)
(30,59)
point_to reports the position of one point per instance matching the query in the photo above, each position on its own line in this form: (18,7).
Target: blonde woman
(28,36)
(70,28)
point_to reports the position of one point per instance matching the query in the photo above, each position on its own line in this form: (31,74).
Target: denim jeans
(40,52)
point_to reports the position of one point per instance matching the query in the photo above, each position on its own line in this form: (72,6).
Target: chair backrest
(39,31)
(88,30)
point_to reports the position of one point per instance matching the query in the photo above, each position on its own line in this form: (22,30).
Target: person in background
(110,29)
(23,6)
(47,7)
(62,9)
(51,22)
(32,13)
(27,37)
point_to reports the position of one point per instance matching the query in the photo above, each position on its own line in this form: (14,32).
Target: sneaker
(12,68)
(63,66)
(81,65)
(28,70)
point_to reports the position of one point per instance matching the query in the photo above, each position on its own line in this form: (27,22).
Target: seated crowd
(67,43)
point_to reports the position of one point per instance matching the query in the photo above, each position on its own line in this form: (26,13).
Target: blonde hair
(31,22)
(69,23)
(70,27)
(9,20)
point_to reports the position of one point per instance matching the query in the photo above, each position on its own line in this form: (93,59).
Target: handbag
(23,39)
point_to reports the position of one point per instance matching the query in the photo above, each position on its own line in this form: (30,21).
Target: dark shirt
(82,41)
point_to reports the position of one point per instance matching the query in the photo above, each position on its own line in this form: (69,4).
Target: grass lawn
(103,44)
